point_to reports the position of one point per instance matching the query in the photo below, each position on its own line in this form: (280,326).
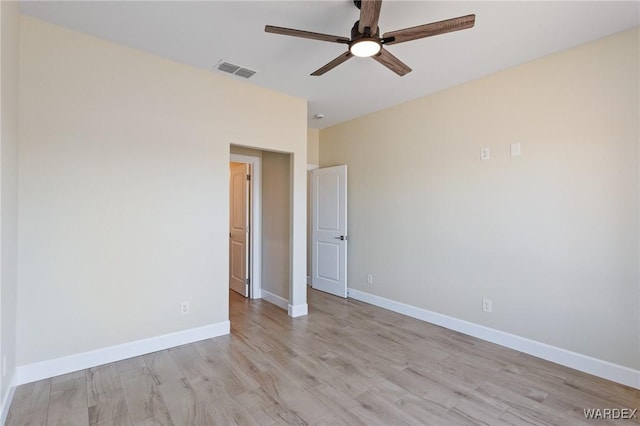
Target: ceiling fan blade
(429,30)
(331,65)
(369,14)
(391,62)
(306,34)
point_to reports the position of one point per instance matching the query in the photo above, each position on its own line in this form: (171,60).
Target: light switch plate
(515,149)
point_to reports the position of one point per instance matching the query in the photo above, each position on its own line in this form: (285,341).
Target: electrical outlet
(485,154)
(369,278)
(487,305)
(184,308)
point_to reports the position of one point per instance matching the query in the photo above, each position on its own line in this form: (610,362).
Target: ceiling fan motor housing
(357,35)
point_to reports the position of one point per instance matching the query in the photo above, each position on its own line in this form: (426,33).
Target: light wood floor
(345,363)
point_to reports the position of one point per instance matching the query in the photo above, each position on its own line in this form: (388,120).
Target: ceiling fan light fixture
(366,41)
(365,48)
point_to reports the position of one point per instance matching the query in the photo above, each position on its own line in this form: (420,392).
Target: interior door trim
(255,222)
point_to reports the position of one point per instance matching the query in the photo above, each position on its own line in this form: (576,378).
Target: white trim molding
(255,272)
(8,398)
(312,166)
(67,364)
(280,302)
(298,310)
(617,373)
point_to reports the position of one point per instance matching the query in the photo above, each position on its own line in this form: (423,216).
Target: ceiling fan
(366,41)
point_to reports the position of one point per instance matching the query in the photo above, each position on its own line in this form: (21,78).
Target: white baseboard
(293,311)
(8,398)
(55,367)
(257,294)
(597,367)
(298,310)
(275,299)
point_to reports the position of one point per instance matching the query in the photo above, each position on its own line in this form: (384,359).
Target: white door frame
(255,222)
(310,168)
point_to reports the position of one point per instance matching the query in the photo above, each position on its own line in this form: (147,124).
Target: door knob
(341,237)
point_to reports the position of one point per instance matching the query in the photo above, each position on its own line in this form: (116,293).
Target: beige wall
(246,151)
(550,236)
(9,34)
(124,170)
(313,146)
(275,223)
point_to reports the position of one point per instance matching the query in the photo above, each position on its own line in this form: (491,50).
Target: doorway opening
(245,231)
(260,252)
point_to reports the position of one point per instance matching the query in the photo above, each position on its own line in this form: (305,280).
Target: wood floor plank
(130,364)
(105,396)
(184,404)
(235,378)
(375,409)
(292,398)
(121,420)
(295,368)
(228,411)
(77,417)
(68,403)
(523,409)
(342,406)
(191,364)
(346,363)
(30,404)
(260,404)
(616,396)
(329,420)
(112,408)
(247,360)
(417,411)
(471,414)
(353,383)
(282,415)
(144,401)
(101,383)
(208,389)
(162,367)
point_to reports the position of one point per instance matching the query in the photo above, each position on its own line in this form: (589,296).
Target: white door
(238,229)
(329,230)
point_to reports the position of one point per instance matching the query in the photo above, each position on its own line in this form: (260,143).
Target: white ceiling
(507,33)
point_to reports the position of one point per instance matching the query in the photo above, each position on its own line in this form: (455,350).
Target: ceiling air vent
(227,67)
(234,69)
(244,72)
